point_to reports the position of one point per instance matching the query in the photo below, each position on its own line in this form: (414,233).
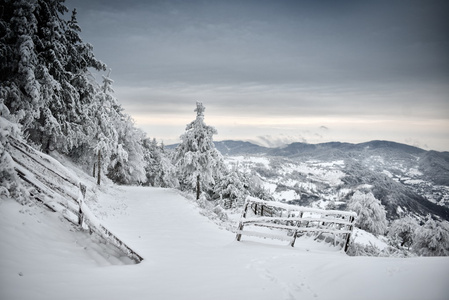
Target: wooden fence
(60,192)
(288,222)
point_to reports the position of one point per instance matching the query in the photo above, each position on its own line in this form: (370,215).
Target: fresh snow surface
(187,256)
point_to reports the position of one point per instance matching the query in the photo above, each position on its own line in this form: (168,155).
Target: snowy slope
(186,256)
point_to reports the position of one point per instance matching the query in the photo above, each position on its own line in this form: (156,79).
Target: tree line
(48,90)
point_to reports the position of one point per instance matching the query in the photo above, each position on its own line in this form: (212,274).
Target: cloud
(278,63)
(278,140)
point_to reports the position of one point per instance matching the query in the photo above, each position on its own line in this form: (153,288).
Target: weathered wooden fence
(60,192)
(288,222)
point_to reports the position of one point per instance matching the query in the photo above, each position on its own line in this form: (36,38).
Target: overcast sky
(276,72)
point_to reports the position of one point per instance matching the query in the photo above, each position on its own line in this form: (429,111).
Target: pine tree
(9,182)
(20,89)
(196,159)
(46,87)
(44,77)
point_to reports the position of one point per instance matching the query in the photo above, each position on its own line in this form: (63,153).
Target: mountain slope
(407,179)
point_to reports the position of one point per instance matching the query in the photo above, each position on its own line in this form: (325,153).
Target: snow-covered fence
(60,191)
(329,225)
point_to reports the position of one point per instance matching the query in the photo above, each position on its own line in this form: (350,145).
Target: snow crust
(187,256)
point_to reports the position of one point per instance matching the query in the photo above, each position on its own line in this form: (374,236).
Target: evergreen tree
(46,86)
(197,161)
(130,167)
(9,182)
(20,89)
(44,78)
(158,167)
(153,165)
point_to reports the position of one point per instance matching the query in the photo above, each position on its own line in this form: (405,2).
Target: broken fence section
(60,192)
(288,222)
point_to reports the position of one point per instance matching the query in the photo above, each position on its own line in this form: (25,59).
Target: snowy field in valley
(187,256)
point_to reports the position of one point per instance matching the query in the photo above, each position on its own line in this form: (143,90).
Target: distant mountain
(234,148)
(406,179)
(230,147)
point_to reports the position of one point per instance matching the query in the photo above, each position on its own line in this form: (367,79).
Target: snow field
(186,256)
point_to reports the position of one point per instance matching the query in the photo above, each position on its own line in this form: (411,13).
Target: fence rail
(60,192)
(329,225)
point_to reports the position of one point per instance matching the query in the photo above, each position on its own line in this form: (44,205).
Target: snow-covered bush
(231,190)
(356,249)
(432,239)
(9,181)
(371,215)
(401,232)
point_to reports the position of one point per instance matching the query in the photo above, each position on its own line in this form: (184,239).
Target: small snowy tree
(371,214)
(231,190)
(402,230)
(158,167)
(432,239)
(196,158)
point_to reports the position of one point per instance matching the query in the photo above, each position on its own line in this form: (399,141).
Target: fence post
(80,203)
(351,219)
(99,167)
(240,228)
(292,243)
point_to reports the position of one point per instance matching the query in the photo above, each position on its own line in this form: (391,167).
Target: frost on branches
(197,161)
(401,232)
(9,182)
(371,215)
(432,239)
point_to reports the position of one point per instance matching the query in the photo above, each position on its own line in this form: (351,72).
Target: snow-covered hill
(187,256)
(407,180)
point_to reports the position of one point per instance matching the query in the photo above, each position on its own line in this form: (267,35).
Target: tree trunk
(93,172)
(197,187)
(99,169)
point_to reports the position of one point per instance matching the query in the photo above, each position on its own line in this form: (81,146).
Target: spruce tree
(196,159)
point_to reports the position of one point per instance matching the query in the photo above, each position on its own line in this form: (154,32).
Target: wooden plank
(264,235)
(297,219)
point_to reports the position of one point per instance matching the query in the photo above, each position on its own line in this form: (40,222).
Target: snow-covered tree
(371,215)
(117,139)
(196,159)
(46,62)
(47,87)
(432,239)
(158,167)
(231,189)
(129,169)
(402,230)
(9,181)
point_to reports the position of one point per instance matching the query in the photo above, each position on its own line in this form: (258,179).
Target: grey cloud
(275,58)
